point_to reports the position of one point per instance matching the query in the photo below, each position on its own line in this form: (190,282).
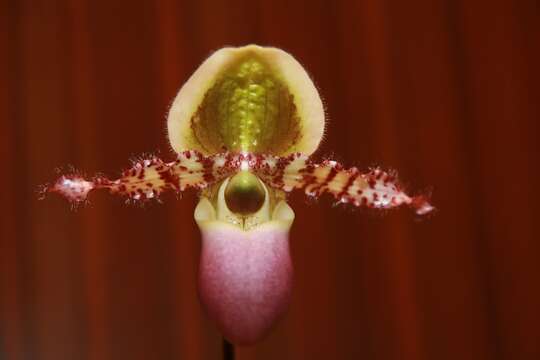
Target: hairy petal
(150,177)
(375,188)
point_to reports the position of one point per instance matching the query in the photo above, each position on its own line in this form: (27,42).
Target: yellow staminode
(244,194)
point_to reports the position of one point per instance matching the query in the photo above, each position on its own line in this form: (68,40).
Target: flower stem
(228,350)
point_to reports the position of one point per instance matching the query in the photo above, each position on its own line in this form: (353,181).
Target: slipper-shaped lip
(245,277)
(306,97)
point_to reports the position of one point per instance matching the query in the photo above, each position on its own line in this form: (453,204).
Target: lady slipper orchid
(244,127)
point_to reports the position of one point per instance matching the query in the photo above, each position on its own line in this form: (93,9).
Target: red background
(445,91)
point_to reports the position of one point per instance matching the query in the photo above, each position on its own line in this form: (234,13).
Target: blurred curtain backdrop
(445,91)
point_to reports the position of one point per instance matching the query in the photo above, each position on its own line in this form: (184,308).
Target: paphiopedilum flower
(244,127)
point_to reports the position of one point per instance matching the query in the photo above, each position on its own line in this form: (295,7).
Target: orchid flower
(244,127)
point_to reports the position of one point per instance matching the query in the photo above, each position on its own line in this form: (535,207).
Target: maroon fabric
(445,91)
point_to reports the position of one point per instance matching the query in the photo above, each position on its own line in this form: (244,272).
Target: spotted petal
(374,188)
(150,177)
